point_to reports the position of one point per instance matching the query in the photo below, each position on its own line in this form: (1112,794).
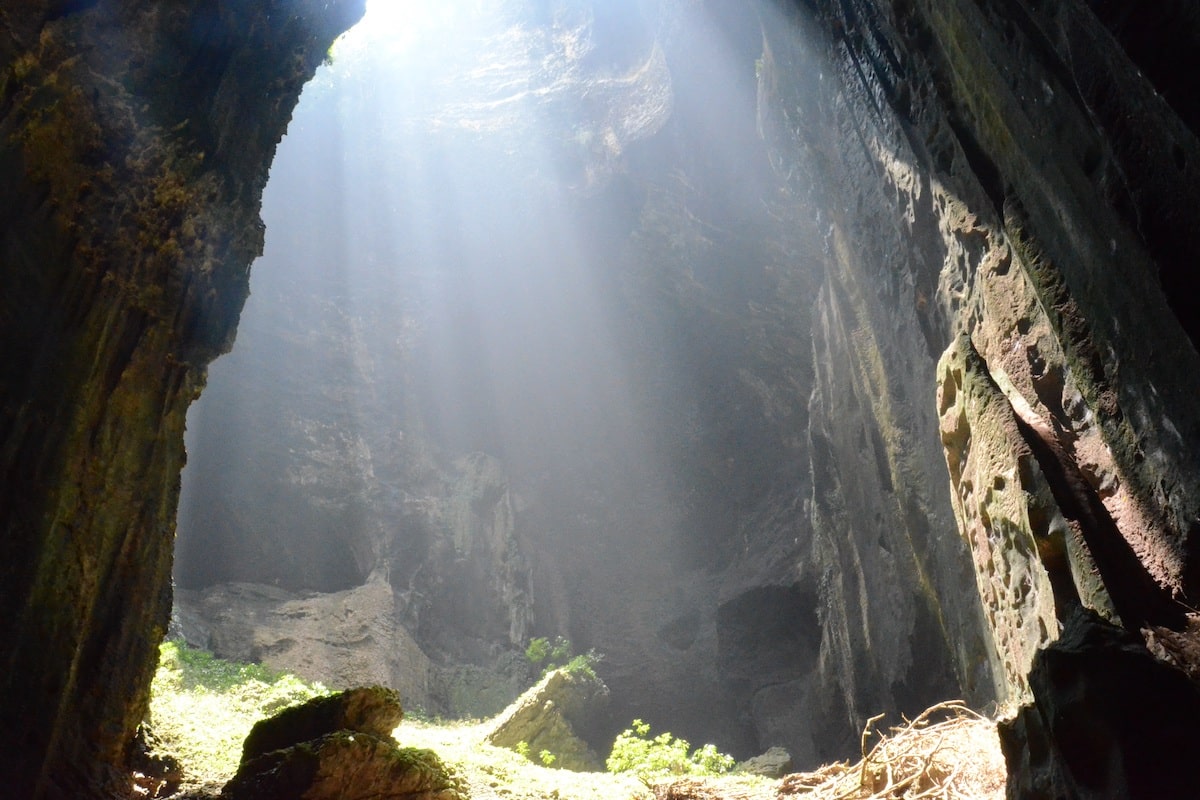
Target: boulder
(546,717)
(775,763)
(373,710)
(339,746)
(344,766)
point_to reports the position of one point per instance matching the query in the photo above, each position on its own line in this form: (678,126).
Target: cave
(807,359)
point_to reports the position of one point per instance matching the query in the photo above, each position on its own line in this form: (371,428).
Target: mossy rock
(545,718)
(344,765)
(373,710)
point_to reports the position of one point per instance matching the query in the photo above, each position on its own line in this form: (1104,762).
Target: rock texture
(545,718)
(341,638)
(134,143)
(343,766)
(775,763)
(1016,139)
(339,746)
(373,710)
(1107,720)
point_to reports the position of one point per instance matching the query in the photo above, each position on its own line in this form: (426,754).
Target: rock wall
(134,143)
(1035,151)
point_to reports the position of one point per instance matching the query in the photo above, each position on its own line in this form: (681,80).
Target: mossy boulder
(345,765)
(373,710)
(339,746)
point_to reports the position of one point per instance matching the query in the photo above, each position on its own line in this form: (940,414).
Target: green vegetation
(647,758)
(547,758)
(559,654)
(202,707)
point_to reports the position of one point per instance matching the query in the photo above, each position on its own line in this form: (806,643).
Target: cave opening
(495,358)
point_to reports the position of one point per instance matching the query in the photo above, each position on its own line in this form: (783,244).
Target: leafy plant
(547,758)
(635,751)
(559,654)
(202,707)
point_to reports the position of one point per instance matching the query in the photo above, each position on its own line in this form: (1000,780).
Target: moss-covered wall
(135,139)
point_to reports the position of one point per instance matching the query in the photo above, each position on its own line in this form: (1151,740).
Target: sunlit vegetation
(647,757)
(560,654)
(202,707)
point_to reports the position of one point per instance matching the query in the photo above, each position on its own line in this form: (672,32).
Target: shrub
(635,751)
(559,654)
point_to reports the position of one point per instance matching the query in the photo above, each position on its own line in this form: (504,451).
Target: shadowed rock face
(134,144)
(1013,184)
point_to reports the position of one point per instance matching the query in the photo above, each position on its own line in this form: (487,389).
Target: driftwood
(956,758)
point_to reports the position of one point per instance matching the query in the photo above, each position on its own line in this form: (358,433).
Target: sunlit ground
(202,708)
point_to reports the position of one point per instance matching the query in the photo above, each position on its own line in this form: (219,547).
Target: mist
(529,286)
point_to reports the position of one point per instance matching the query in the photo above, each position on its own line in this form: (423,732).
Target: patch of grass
(202,707)
(497,773)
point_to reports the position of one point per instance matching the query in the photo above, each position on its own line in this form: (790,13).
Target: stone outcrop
(340,639)
(339,746)
(344,766)
(1107,719)
(545,719)
(373,710)
(1020,243)
(135,139)
(775,763)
